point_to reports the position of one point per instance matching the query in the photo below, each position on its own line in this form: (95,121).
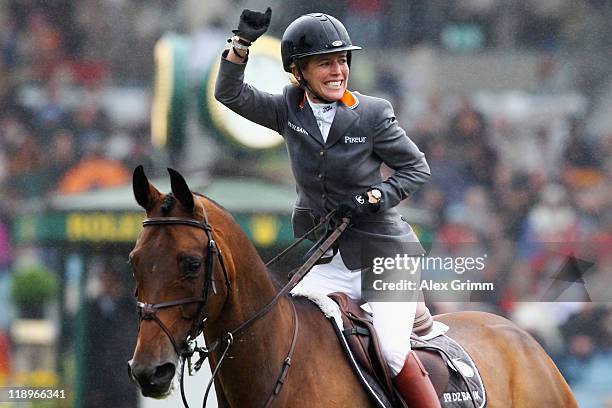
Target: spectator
(553,219)
(580,162)
(366,18)
(63,155)
(468,125)
(445,170)
(111,331)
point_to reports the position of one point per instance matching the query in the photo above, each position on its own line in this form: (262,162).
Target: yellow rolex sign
(97,227)
(123,227)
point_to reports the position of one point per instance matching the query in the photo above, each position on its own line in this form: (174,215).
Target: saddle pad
(457,394)
(328,307)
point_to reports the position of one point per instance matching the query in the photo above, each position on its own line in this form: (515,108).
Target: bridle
(148,311)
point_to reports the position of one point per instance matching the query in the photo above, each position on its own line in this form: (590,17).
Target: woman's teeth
(333,84)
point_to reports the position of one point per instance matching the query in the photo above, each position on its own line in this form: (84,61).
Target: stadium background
(510,101)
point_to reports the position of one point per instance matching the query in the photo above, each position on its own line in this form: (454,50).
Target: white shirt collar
(324,114)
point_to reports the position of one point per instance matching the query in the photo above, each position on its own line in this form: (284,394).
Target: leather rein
(188,346)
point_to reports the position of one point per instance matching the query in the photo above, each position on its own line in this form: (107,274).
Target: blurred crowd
(529,194)
(533,198)
(59,140)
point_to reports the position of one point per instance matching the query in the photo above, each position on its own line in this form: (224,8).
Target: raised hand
(253,24)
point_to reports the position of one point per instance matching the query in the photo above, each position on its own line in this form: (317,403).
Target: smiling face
(327,75)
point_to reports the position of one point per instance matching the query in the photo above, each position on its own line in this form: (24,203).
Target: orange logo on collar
(349,99)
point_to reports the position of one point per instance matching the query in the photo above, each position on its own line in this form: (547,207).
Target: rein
(147,311)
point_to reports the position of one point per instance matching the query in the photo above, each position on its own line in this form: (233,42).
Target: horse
(184,286)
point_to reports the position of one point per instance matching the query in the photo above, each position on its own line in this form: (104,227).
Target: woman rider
(337,141)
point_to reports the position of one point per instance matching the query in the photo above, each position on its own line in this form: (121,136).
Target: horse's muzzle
(154,381)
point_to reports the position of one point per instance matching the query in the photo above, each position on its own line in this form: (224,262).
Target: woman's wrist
(240,53)
(232,55)
(239,46)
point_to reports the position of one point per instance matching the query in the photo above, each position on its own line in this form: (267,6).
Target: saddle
(365,346)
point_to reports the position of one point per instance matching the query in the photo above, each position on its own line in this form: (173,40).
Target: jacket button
(323,196)
(322,153)
(320,175)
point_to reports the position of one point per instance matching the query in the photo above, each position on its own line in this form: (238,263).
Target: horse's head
(175,267)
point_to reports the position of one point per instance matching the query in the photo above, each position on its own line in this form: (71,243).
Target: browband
(176,220)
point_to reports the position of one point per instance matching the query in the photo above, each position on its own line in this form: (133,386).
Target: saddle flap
(363,340)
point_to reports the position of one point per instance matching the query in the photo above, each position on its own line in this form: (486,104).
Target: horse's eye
(191,266)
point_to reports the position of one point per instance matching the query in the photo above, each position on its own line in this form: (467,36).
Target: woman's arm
(397,151)
(260,107)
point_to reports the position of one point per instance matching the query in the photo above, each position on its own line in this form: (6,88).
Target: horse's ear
(144,192)
(181,190)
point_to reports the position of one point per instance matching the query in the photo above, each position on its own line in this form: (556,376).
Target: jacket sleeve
(257,106)
(397,151)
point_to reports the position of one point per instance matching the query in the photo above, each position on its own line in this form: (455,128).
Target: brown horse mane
(278,277)
(245,241)
(169,201)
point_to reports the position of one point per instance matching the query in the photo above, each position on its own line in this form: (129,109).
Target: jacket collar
(344,119)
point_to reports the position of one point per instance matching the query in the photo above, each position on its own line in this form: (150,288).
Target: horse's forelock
(168,204)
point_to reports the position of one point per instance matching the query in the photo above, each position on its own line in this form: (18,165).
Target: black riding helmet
(314,34)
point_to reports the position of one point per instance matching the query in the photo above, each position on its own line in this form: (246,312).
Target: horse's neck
(266,342)
(252,285)
(254,362)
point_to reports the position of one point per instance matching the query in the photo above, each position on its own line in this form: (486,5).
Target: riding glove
(355,206)
(253,24)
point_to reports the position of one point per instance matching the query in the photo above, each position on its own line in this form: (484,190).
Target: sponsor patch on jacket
(298,129)
(349,139)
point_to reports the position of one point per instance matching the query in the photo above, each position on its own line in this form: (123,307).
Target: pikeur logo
(348,139)
(297,128)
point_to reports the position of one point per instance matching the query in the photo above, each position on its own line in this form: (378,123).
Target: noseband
(148,311)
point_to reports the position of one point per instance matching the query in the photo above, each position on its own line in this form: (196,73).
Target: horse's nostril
(152,380)
(163,373)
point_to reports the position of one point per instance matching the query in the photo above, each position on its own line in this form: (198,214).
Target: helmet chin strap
(304,84)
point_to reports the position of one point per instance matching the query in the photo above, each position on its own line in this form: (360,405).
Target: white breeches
(392,320)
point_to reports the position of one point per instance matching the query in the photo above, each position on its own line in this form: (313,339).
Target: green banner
(264,230)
